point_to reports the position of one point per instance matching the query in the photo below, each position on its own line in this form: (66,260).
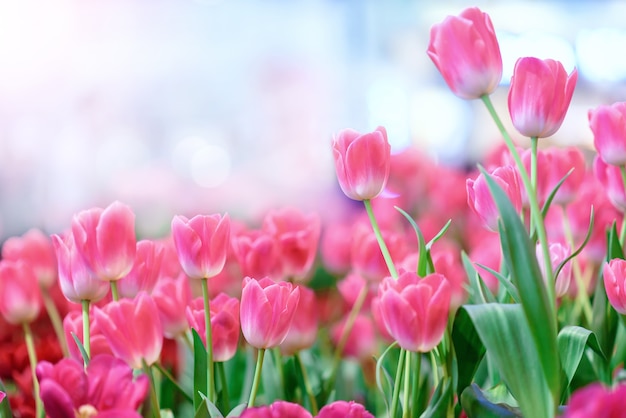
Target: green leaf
(572,341)
(506,283)
(199,371)
(468,347)
(422,263)
(202,411)
(478,291)
(385,386)
(81,348)
(438,405)
(521,260)
(476,405)
(173,381)
(236,411)
(504,331)
(5,406)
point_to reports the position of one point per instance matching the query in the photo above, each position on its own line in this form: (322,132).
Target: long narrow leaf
(478,291)
(573,340)
(199,371)
(468,347)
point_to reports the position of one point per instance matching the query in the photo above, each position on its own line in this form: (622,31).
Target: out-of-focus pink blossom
(106,388)
(202,244)
(169,295)
(482,203)
(77,281)
(608,124)
(361,342)
(362,162)
(296,236)
(367,259)
(614,274)
(343,409)
(145,272)
(487,253)
(540,94)
(35,248)
(415,310)
(350,288)
(105,239)
(465,50)
(267,311)
(256,252)
(224,324)
(560,162)
(335,247)
(558,253)
(133,329)
(596,400)
(278,409)
(610,177)
(20,297)
(73,324)
(303,331)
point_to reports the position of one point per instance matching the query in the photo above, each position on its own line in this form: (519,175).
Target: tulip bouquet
(496,293)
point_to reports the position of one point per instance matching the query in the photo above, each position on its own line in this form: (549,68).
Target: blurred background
(187,107)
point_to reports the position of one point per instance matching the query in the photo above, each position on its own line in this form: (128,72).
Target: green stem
(154,400)
(307,383)
(32,357)
(407,385)
(257,377)
(55,319)
(416,383)
(345,333)
(209,341)
(379,237)
(535,210)
(622,235)
(395,397)
(114,293)
(86,332)
(221,373)
(278,359)
(171,378)
(533,173)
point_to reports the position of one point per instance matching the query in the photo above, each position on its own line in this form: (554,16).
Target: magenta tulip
(362,162)
(105,239)
(279,409)
(343,409)
(608,124)
(267,310)
(465,50)
(415,310)
(202,244)
(540,93)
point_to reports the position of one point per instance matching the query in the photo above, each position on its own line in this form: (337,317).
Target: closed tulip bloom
(20,298)
(224,324)
(596,400)
(76,279)
(361,344)
(303,331)
(256,252)
(614,274)
(106,388)
(558,253)
(465,50)
(362,162)
(415,310)
(202,244)
(105,238)
(279,409)
(169,295)
(343,409)
(540,93)
(608,124)
(35,248)
(560,162)
(610,178)
(479,196)
(133,329)
(145,272)
(267,310)
(73,324)
(296,237)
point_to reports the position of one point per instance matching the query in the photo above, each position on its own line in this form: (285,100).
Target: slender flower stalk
(257,377)
(407,385)
(535,210)
(381,242)
(533,163)
(209,341)
(395,397)
(221,375)
(307,383)
(55,319)
(154,400)
(32,357)
(114,292)
(86,336)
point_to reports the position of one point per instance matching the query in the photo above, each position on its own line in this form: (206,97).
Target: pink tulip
(415,310)
(610,177)
(608,124)
(465,50)
(224,324)
(351,286)
(335,247)
(202,244)
(343,409)
(256,252)
(106,388)
(560,162)
(279,409)
(303,331)
(145,272)
(377,316)
(2,396)
(361,344)
(169,295)
(133,329)
(362,162)
(267,310)
(487,253)
(73,324)
(540,93)
(558,253)
(77,281)
(479,196)
(20,297)
(367,259)
(296,236)
(105,239)
(596,400)
(614,274)
(35,248)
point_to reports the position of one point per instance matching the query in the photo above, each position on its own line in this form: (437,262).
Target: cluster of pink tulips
(496,293)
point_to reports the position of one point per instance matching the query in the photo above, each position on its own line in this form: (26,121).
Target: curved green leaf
(199,372)
(572,341)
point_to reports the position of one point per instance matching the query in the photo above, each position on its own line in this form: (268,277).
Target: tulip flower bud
(608,124)
(614,274)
